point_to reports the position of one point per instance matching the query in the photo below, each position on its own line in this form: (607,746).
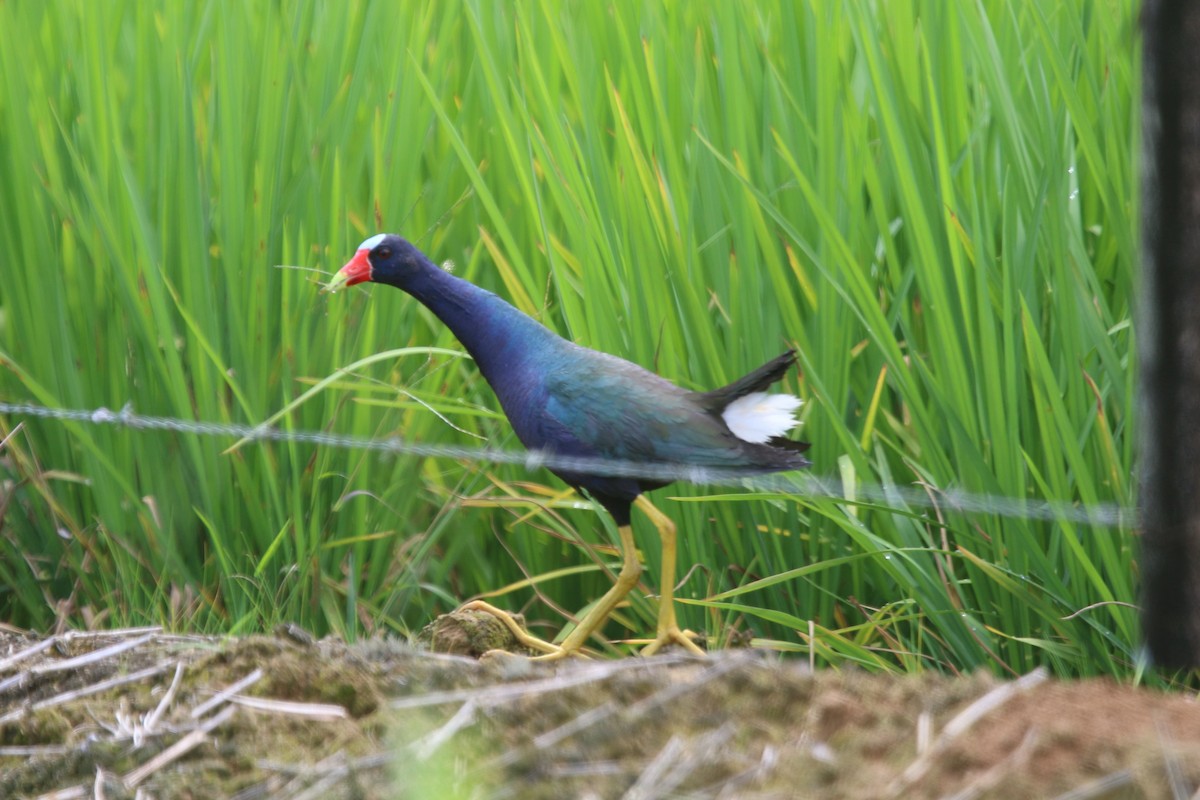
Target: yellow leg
(668,627)
(627,578)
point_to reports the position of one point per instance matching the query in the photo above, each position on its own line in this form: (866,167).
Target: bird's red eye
(384,252)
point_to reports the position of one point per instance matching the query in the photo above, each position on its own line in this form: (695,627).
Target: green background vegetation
(933,201)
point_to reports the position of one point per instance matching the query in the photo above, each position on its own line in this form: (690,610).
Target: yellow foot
(523,637)
(672,635)
(559,654)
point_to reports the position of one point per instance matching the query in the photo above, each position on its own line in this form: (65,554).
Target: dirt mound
(112,714)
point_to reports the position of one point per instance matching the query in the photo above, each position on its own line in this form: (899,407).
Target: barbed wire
(804,484)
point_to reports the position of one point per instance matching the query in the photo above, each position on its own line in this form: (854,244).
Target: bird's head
(384,258)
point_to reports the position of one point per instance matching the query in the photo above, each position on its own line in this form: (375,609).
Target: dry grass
(142,713)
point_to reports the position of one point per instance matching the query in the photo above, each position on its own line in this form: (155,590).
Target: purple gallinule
(571,401)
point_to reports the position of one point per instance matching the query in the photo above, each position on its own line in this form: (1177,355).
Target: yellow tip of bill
(335,283)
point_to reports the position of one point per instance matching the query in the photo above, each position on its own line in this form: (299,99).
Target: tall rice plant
(933,202)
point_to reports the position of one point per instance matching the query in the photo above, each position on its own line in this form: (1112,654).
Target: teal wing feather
(617,409)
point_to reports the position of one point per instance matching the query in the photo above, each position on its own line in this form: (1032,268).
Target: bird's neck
(500,338)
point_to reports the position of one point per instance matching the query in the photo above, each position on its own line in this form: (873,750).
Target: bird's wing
(616,409)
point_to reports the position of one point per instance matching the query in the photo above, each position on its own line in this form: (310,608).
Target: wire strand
(801,484)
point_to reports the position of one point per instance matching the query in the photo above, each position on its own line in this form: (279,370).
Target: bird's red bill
(357,270)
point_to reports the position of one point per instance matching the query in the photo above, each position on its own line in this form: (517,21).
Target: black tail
(758,380)
(785,443)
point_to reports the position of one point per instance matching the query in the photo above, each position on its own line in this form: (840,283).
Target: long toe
(523,637)
(559,654)
(673,635)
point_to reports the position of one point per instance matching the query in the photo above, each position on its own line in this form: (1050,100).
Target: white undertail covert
(758,416)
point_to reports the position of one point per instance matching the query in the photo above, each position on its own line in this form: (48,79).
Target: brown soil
(382,719)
